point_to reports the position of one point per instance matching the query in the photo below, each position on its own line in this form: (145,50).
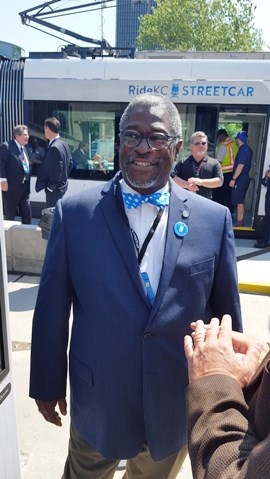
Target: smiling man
(199,172)
(126,257)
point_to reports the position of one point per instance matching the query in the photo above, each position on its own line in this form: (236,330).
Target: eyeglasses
(155,141)
(199,143)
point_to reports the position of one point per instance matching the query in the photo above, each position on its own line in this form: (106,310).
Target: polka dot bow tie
(159,199)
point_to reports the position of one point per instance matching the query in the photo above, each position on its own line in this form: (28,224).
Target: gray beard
(141,184)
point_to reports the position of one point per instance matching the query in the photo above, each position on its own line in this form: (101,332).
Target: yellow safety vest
(227,163)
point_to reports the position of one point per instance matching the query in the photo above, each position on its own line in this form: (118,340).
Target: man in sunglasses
(126,257)
(199,172)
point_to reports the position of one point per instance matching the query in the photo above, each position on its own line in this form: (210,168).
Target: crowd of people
(18,160)
(225,179)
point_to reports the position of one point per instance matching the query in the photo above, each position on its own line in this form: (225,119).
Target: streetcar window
(91,131)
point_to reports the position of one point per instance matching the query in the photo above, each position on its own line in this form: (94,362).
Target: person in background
(15,174)
(240,175)
(125,256)
(264,242)
(36,155)
(225,154)
(53,174)
(81,156)
(116,157)
(199,172)
(228,407)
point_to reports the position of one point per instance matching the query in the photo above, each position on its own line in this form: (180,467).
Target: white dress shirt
(140,220)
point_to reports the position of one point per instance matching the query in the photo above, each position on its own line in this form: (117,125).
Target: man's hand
(195,181)
(47,409)
(241,344)
(211,351)
(193,185)
(240,341)
(4,185)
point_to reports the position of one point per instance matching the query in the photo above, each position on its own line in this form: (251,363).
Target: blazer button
(147,335)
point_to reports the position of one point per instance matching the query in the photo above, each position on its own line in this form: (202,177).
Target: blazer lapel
(179,212)
(114,214)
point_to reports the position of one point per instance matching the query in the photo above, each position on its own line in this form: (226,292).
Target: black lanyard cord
(148,237)
(117,193)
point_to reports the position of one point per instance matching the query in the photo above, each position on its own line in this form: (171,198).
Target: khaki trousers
(83,462)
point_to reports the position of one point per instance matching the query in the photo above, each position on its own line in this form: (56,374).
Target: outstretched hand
(212,350)
(48,411)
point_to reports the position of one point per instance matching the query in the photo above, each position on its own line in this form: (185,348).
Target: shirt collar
(18,145)
(55,138)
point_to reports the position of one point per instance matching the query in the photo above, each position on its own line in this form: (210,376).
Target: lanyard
(197,168)
(141,252)
(148,238)
(144,275)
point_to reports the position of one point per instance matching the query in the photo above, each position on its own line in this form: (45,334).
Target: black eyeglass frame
(168,138)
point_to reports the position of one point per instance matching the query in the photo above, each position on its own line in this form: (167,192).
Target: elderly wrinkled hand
(211,350)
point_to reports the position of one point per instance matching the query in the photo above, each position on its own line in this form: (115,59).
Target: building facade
(127,20)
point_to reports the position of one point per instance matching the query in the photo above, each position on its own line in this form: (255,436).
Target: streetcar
(89,95)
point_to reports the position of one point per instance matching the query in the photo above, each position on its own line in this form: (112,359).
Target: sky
(90,24)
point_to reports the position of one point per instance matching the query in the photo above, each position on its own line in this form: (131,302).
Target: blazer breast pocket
(203,267)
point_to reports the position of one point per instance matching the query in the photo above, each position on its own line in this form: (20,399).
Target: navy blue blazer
(11,165)
(54,170)
(127,365)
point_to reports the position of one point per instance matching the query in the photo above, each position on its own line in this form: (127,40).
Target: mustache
(141,156)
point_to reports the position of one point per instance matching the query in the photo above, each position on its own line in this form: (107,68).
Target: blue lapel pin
(180,229)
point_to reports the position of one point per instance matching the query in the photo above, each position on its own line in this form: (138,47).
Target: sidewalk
(43,447)
(253,267)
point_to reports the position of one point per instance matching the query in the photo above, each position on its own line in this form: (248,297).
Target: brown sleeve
(254,391)
(222,442)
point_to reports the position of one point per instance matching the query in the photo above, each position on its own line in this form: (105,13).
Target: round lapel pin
(180,229)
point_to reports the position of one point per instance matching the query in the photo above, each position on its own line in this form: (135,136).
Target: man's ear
(177,148)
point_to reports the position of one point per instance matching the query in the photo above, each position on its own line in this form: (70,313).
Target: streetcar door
(9,453)
(255,125)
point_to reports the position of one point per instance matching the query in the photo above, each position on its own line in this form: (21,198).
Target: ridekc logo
(177,90)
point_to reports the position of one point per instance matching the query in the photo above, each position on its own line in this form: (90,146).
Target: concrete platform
(43,447)
(25,247)
(253,266)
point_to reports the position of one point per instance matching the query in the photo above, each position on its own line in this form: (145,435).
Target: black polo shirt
(206,169)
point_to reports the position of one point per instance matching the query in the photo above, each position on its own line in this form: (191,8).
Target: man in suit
(199,172)
(227,407)
(53,173)
(81,156)
(127,257)
(15,174)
